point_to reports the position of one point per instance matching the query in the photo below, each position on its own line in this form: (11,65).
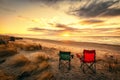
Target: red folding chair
(88,60)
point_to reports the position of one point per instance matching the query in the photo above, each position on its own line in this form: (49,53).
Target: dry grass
(112,63)
(42,56)
(45,76)
(39,57)
(28,46)
(114,68)
(2,46)
(11,44)
(32,47)
(29,68)
(27,71)
(20,66)
(17,61)
(44,65)
(9,51)
(4,76)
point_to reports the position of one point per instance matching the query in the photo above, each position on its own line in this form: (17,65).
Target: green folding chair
(65,56)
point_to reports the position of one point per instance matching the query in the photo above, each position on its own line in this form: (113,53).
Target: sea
(113,40)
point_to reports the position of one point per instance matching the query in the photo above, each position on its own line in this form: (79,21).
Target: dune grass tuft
(18,61)
(4,76)
(2,46)
(8,52)
(39,57)
(29,68)
(44,65)
(27,71)
(45,76)
(28,46)
(42,56)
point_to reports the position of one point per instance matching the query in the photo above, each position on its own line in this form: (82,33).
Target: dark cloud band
(95,8)
(91,21)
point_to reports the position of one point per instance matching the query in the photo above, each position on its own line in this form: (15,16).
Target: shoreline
(79,44)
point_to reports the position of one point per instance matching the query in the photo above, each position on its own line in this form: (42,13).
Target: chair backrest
(78,55)
(89,56)
(65,55)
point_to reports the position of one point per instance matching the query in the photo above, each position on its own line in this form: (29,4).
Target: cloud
(53,1)
(62,27)
(46,1)
(107,24)
(37,29)
(1,1)
(50,3)
(7,9)
(95,8)
(65,27)
(76,32)
(106,29)
(98,32)
(112,12)
(91,21)
(47,32)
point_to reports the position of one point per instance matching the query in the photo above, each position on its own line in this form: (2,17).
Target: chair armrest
(80,57)
(72,56)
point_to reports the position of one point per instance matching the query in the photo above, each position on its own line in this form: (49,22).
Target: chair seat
(64,56)
(88,61)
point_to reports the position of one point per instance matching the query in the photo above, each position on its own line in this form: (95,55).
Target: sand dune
(38,59)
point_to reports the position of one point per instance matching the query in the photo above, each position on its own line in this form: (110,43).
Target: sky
(60,18)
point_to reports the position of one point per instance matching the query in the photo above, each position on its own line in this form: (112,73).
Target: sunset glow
(65,34)
(51,18)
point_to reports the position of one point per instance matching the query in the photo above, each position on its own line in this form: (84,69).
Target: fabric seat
(88,60)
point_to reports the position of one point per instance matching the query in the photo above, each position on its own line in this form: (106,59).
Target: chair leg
(69,65)
(92,67)
(83,70)
(59,63)
(95,68)
(82,67)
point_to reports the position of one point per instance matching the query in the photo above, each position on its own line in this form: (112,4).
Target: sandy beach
(59,39)
(37,57)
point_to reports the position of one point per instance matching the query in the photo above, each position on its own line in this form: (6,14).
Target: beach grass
(17,61)
(24,60)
